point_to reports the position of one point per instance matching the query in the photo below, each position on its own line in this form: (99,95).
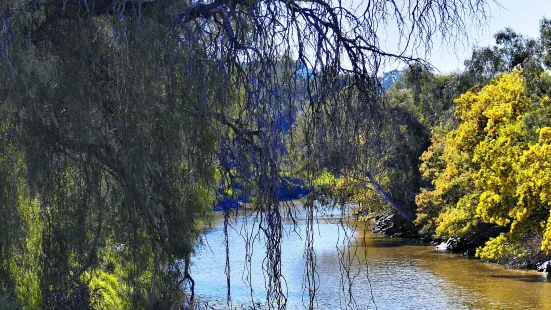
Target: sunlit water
(395,274)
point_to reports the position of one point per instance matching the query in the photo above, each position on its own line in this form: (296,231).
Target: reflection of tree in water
(122,120)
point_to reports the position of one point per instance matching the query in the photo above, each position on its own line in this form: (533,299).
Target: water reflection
(399,274)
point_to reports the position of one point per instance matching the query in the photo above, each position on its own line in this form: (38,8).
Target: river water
(387,273)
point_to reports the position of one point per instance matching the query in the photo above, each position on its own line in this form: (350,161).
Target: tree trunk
(387,197)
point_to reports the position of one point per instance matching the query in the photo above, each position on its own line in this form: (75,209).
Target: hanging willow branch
(164,99)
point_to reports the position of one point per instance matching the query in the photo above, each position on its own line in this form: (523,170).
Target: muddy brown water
(388,273)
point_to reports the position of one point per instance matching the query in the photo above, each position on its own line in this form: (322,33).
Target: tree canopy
(489,172)
(123,121)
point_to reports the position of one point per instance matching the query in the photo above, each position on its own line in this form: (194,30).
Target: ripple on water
(401,274)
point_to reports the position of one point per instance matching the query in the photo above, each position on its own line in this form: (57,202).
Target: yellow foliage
(25,261)
(495,248)
(491,169)
(106,290)
(325,179)
(546,244)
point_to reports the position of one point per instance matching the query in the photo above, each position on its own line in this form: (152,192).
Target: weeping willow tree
(122,121)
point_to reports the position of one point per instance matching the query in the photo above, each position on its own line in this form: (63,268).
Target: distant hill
(389,78)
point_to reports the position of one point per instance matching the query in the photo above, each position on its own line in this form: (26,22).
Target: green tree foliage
(122,120)
(377,167)
(490,170)
(432,95)
(99,150)
(545,39)
(484,184)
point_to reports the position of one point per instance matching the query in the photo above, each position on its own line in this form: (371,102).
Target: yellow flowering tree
(494,170)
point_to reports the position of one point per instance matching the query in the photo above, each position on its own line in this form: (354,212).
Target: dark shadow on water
(524,278)
(390,243)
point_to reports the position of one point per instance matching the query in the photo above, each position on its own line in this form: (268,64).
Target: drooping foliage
(122,121)
(418,109)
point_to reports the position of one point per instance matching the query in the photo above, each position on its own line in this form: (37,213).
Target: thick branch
(387,197)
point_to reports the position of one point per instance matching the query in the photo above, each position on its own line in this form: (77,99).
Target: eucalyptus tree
(121,120)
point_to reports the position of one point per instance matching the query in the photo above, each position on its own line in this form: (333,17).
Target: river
(390,273)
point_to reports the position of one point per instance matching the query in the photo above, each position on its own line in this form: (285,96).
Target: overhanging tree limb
(388,198)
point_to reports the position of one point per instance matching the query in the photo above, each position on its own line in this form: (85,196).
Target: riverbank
(403,273)
(393,225)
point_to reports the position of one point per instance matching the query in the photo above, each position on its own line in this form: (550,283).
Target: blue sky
(523,16)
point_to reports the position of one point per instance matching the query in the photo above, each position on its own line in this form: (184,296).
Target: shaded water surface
(388,273)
